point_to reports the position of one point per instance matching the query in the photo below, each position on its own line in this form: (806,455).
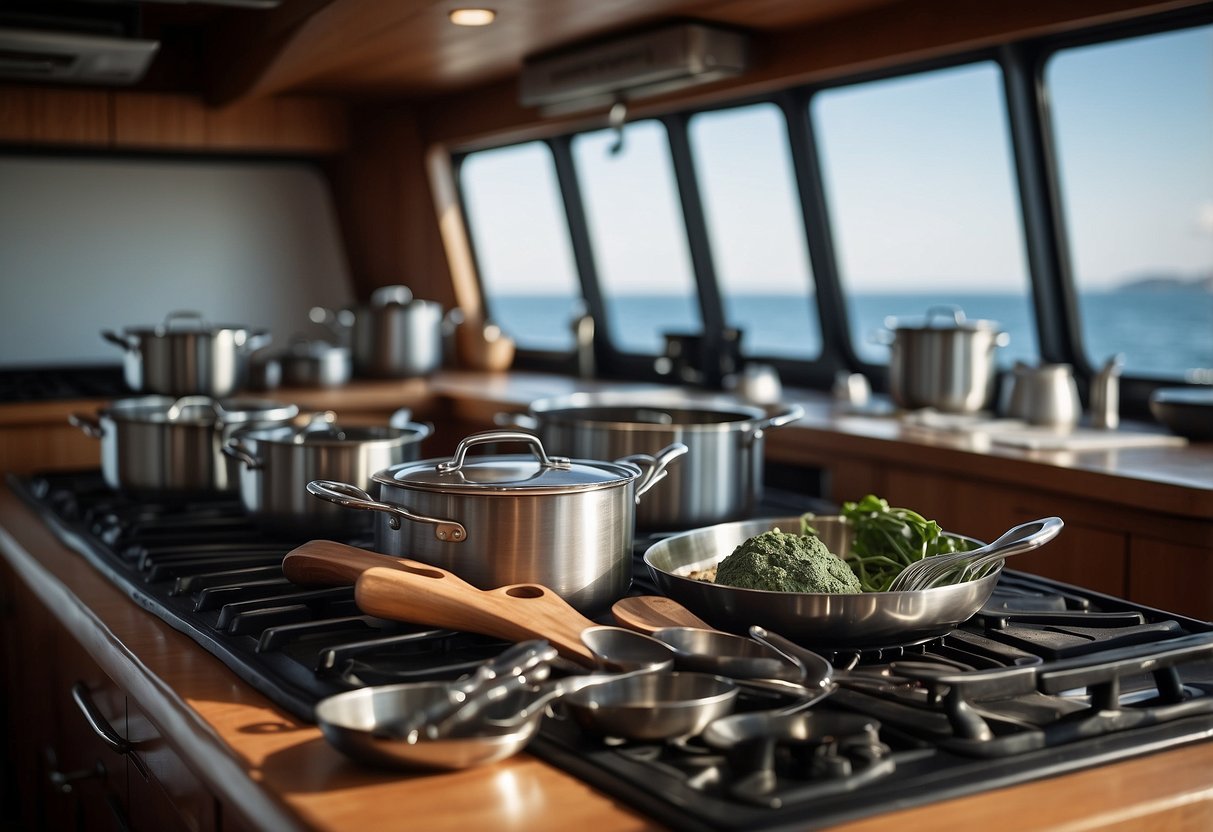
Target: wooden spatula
(328,563)
(649,613)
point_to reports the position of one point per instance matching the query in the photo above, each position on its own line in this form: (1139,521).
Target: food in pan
(781,562)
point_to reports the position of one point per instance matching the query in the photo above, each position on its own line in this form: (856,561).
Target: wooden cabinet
(81,754)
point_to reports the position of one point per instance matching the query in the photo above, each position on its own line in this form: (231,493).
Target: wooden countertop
(282,774)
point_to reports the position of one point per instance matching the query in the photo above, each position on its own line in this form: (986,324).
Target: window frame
(1054,301)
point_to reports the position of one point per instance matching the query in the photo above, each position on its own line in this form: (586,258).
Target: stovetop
(1046,678)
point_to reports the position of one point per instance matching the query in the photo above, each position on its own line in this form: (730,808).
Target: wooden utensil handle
(427,595)
(649,613)
(328,563)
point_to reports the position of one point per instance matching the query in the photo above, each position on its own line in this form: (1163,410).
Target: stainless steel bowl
(820,619)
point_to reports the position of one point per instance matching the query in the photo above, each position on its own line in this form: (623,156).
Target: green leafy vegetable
(887,540)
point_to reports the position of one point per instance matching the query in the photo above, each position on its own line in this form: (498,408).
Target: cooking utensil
(504,519)
(622,650)
(276,463)
(186,356)
(1187,411)
(930,572)
(393,336)
(423,594)
(726,654)
(1046,395)
(353,722)
(650,613)
(517,666)
(721,477)
(830,620)
(945,361)
(160,447)
(652,706)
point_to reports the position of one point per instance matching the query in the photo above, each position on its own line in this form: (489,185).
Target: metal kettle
(1045,395)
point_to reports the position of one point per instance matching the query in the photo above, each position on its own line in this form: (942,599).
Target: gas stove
(1047,678)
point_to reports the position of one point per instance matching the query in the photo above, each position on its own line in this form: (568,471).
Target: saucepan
(497,519)
(835,621)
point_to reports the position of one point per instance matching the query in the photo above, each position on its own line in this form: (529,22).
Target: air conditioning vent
(80,58)
(661,60)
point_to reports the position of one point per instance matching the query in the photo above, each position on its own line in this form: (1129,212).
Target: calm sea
(1159,332)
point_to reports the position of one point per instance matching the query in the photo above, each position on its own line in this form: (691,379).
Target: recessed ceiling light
(472,17)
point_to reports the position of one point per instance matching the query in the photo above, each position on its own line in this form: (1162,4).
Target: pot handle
(182,315)
(789,414)
(351,496)
(653,468)
(456,462)
(257,341)
(384,295)
(174,411)
(127,342)
(237,451)
(90,425)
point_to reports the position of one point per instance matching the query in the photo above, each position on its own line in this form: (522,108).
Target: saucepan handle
(789,414)
(351,496)
(127,342)
(90,425)
(237,451)
(653,468)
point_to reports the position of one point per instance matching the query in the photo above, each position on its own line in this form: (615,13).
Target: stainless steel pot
(945,361)
(277,463)
(721,477)
(315,364)
(507,519)
(394,336)
(185,356)
(161,446)
(833,621)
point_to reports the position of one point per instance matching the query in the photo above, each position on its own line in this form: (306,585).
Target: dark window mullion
(836,351)
(710,305)
(583,251)
(1040,199)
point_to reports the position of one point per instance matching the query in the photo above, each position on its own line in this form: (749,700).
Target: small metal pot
(945,362)
(178,358)
(277,463)
(721,477)
(161,446)
(315,364)
(508,519)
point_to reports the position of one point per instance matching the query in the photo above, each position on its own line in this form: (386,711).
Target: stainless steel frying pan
(824,620)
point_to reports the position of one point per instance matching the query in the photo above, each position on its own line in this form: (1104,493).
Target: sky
(919,180)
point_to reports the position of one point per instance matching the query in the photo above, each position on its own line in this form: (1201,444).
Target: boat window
(637,235)
(920,187)
(1132,121)
(756,230)
(520,235)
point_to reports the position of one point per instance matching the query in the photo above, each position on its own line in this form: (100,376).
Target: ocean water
(1160,333)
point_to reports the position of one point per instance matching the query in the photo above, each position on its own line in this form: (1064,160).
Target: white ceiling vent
(72,57)
(632,66)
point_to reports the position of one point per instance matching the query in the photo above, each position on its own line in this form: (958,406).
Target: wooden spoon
(649,613)
(423,594)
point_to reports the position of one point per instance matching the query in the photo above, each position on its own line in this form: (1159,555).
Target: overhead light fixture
(472,17)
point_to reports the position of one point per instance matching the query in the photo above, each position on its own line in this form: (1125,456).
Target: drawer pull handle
(98,722)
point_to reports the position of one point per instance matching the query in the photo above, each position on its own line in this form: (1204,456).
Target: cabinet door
(165,795)
(88,752)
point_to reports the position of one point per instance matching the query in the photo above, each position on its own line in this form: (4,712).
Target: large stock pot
(160,446)
(497,519)
(944,361)
(721,477)
(186,356)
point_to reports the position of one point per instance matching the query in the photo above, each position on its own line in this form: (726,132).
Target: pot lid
(534,473)
(322,430)
(643,411)
(199,410)
(941,318)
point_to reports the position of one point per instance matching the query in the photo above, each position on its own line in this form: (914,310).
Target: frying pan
(835,621)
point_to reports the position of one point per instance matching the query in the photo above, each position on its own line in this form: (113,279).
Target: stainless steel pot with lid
(161,446)
(944,361)
(498,519)
(185,356)
(721,477)
(277,462)
(394,336)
